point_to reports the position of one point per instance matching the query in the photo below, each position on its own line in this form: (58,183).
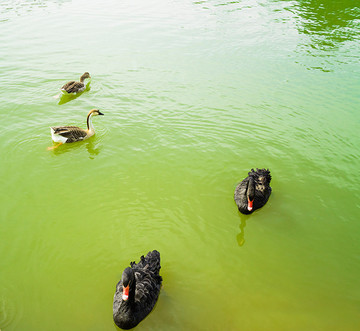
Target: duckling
(70,134)
(76,87)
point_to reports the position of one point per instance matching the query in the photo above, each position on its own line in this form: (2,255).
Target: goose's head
(95,112)
(128,279)
(84,76)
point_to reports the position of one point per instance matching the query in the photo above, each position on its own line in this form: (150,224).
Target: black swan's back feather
(142,298)
(150,262)
(261,176)
(262,180)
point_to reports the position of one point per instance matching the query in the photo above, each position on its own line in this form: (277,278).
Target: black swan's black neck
(132,288)
(250,190)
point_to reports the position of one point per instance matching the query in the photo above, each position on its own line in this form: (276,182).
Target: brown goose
(76,87)
(70,134)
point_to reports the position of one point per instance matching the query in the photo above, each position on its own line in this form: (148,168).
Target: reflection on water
(92,148)
(66,97)
(90,144)
(241,236)
(324,26)
(19,8)
(329,23)
(230,5)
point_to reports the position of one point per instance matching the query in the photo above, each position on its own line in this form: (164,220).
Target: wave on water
(10,311)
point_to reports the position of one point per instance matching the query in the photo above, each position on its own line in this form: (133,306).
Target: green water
(194,94)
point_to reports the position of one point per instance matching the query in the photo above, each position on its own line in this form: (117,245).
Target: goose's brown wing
(72,133)
(67,85)
(73,86)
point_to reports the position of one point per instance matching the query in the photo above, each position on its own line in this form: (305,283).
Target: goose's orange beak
(250,204)
(125,294)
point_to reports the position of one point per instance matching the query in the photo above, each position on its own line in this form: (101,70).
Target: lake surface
(195,94)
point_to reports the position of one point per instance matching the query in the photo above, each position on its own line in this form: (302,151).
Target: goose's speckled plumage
(70,134)
(254,191)
(74,86)
(137,291)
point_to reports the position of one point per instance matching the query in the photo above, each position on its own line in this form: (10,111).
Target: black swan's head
(128,280)
(250,193)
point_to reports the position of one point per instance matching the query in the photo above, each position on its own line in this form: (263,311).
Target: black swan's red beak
(125,294)
(250,204)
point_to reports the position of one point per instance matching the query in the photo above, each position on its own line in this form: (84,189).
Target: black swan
(254,191)
(137,291)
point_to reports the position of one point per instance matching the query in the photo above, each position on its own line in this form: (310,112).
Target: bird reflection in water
(91,146)
(66,97)
(241,236)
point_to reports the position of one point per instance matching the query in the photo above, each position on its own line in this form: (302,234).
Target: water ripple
(10,311)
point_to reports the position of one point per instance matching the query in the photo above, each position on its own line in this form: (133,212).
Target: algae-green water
(195,94)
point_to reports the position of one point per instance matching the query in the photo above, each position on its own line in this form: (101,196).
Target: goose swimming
(70,134)
(76,87)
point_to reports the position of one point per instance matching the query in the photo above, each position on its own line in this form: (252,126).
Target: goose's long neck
(89,123)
